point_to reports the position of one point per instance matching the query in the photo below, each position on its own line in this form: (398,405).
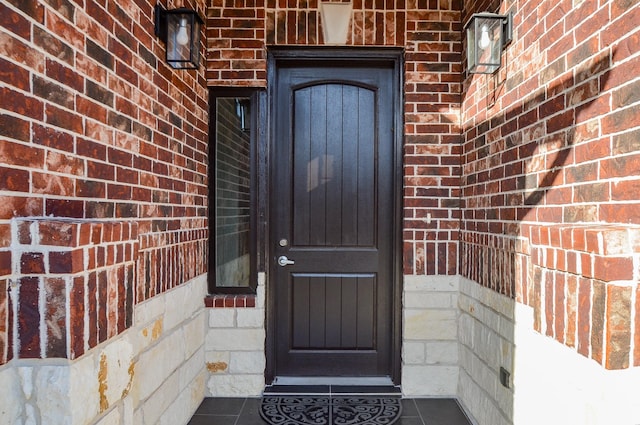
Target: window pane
(233,192)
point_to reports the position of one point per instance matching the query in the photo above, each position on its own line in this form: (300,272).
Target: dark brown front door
(333,219)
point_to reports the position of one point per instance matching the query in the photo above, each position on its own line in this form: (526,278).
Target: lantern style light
(179,29)
(487,35)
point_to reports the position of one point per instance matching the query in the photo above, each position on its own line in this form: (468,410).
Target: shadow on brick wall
(532,182)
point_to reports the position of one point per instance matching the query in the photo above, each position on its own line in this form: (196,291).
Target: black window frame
(254,96)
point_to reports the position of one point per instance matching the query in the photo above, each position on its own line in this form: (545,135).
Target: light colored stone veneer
(430,336)
(12,396)
(551,383)
(235,348)
(153,373)
(170,368)
(486,334)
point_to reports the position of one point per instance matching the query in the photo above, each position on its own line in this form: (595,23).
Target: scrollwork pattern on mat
(323,410)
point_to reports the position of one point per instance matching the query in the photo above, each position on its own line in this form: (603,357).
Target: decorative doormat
(326,410)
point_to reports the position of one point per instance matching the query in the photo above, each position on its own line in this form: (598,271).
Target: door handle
(284,261)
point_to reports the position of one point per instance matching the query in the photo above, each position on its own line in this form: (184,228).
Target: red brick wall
(429,31)
(103,172)
(551,174)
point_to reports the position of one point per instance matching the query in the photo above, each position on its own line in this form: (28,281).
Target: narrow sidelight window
(232,191)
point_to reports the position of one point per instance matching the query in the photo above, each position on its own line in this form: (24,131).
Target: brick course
(429,31)
(103,151)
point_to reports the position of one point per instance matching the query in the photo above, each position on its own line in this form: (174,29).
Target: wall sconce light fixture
(487,35)
(179,29)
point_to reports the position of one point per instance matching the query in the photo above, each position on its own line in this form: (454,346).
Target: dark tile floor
(245,411)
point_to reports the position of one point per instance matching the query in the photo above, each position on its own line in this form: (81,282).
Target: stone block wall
(430,336)
(429,31)
(169,356)
(152,373)
(235,350)
(486,330)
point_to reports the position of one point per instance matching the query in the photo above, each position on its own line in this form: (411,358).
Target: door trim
(281,57)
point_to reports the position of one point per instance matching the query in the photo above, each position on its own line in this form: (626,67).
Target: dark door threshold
(332,390)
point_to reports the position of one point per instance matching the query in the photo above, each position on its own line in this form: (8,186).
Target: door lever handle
(284,261)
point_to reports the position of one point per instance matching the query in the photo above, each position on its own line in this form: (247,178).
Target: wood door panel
(334,171)
(333,312)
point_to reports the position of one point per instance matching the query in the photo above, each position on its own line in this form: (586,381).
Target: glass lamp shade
(485,40)
(180,30)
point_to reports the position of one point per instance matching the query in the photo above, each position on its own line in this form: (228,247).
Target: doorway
(335,214)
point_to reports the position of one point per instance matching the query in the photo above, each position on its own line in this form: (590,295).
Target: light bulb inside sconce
(484,41)
(182,37)
(179,29)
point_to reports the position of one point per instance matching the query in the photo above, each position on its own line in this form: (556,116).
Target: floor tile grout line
(244,403)
(236,419)
(413,400)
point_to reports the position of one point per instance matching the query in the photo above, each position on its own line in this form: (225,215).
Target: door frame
(292,56)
